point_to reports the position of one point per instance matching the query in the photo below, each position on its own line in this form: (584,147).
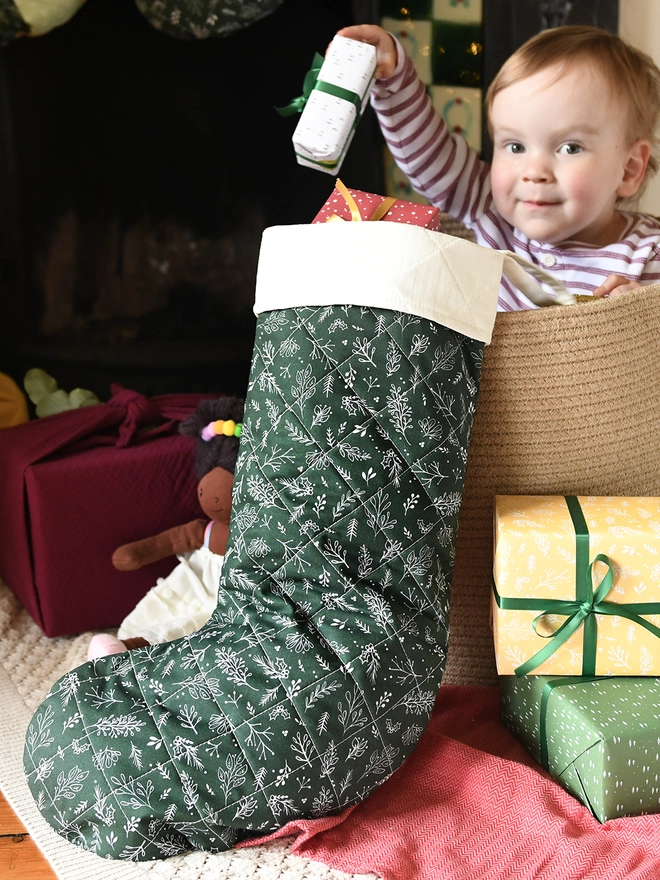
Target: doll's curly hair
(220,451)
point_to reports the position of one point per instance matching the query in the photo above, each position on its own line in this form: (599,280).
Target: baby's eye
(514,148)
(570,149)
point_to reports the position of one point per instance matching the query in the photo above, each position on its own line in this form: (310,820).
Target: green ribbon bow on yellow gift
(582,610)
(311,83)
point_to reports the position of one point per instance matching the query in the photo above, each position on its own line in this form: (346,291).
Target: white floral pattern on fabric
(199,19)
(317,673)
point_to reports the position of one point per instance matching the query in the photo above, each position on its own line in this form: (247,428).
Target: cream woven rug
(29,664)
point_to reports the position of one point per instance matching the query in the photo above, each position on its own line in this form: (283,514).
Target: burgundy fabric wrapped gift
(74,487)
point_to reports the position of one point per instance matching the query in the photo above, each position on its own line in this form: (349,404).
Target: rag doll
(184,600)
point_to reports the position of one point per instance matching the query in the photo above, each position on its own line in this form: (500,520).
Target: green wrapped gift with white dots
(598,737)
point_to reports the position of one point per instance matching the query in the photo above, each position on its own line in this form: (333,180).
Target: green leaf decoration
(55,402)
(49,399)
(38,384)
(82,397)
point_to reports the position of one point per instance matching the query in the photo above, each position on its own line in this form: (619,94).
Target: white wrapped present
(335,104)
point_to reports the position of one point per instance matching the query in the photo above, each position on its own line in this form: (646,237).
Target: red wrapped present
(355,205)
(74,487)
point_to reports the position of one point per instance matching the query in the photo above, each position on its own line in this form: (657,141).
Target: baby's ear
(634,169)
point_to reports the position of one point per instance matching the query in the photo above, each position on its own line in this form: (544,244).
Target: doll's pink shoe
(103,644)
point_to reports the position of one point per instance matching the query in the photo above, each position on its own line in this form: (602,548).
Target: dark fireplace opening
(137,173)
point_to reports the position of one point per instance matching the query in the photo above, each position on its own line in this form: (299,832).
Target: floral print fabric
(198,19)
(317,673)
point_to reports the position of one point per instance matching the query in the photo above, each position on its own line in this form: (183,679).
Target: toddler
(572,117)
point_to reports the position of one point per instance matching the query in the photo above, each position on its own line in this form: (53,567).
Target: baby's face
(561,157)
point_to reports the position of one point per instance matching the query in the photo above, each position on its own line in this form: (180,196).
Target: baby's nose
(537,170)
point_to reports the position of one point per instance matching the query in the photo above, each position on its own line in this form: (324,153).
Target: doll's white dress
(180,603)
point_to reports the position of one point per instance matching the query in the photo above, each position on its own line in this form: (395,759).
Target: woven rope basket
(569,404)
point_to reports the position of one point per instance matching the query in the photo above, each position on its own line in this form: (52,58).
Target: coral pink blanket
(470,804)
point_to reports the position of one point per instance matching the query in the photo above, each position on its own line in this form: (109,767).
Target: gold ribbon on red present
(356,217)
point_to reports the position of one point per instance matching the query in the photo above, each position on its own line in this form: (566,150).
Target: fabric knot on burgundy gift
(142,417)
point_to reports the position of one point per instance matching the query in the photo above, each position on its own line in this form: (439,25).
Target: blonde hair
(630,75)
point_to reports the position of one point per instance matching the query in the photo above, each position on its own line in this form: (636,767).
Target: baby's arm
(439,164)
(642,260)
(616,284)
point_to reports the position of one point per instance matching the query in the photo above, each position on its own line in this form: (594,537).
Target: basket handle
(525,276)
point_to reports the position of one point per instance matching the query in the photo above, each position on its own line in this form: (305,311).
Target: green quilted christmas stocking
(316,675)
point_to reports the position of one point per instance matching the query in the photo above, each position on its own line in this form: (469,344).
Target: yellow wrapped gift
(576,585)
(13,405)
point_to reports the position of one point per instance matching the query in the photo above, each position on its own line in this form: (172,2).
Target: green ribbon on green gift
(545,697)
(581,611)
(311,83)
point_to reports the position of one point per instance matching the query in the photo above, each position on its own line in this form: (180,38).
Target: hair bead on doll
(226,427)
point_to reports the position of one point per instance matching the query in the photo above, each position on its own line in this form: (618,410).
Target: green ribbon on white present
(335,92)
(311,82)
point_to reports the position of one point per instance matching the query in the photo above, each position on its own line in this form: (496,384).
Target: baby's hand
(614,285)
(384,43)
